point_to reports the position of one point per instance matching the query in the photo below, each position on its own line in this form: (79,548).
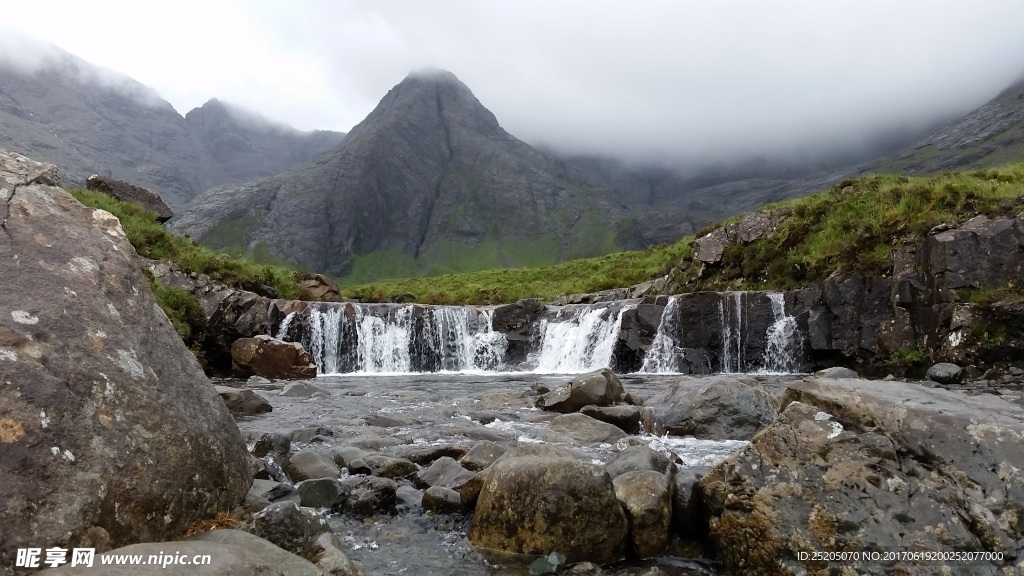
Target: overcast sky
(671,80)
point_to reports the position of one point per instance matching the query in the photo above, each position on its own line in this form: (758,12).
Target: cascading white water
(383,343)
(488,346)
(732,332)
(463,339)
(780,351)
(324,339)
(282,330)
(580,343)
(662,355)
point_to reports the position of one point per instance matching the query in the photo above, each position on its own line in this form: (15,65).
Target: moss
(185,312)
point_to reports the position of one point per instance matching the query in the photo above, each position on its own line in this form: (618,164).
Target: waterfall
(732,331)
(282,331)
(459,339)
(323,338)
(581,342)
(383,343)
(780,351)
(662,355)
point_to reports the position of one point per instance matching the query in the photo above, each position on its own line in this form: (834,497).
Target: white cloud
(654,79)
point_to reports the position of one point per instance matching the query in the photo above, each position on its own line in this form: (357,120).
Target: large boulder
(864,466)
(110,433)
(647,497)
(722,407)
(271,358)
(583,428)
(600,388)
(538,505)
(317,287)
(131,193)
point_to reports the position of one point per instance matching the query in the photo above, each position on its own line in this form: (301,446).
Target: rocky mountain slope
(87,120)
(428,182)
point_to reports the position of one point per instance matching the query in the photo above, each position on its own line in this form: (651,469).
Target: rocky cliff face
(87,120)
(428,182)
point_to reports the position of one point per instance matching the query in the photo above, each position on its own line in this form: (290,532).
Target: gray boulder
(442,500)
(872,466)
(722,407)
(583,428)
(628,418)
(310,464)
(837,373)
(647,497)
(945,373)
(321,493)
(369,495)
(131,193)
(444,472)
(272,444)
(482,455)
(110,433)
(243,402)
(383,466)
(537,505)
(600,388)
(633,458)
(290,526)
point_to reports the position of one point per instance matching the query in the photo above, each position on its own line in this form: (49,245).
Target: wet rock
(628,418)
(383,466)
(722,407)
(549,564)
(243,402)
(289,526)
(836,372)
(425,455)
(308,434)
(442,500)
(110,433)
(302,390)
(601,388)
(310,464)
(583,428)
(272,444)
(321,493)
(327,554)
(345,455)
(263,492)
(387,421)
(945,373)
(633,458)
(687,509)
(131,193)
(444,472)
(369,495)
(470,491)
(647,497)
(536,505)
(265,356)
(856,464)
(482,455)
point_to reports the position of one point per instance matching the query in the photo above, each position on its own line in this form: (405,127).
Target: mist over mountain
(428,182)
(58,108)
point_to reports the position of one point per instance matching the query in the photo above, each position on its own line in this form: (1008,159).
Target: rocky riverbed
(421,417)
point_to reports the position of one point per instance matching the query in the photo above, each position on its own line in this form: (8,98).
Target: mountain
(88,120)
(992,135)
(429,182)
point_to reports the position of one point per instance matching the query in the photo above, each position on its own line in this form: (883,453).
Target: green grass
(152,240)
(854,225)
(511,284)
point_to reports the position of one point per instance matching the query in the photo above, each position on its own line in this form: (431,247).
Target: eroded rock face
(110,434)
(538,505)
(723,407)
(865,465)
(271,358)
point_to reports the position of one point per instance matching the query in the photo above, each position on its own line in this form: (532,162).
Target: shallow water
(379,412)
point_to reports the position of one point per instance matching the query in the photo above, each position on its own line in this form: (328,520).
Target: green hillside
(850,227)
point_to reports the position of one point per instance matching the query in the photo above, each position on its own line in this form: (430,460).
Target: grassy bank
(154,241)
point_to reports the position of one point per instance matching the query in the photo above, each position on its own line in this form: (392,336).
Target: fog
(676,82)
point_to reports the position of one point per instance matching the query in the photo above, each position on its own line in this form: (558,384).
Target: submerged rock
(538,505)
(243,402)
